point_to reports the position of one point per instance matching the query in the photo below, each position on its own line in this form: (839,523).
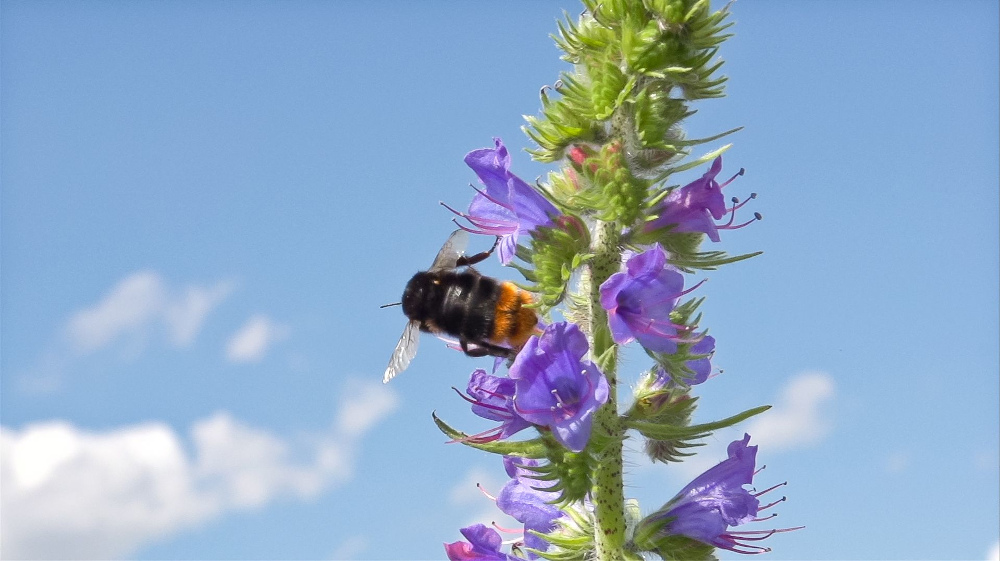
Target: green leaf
(710,261)
(693,163)
(533,448)
(672,432)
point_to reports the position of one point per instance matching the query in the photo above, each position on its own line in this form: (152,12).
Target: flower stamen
(772,488)
(765,507)
(485,492)
(506,530)
(730,180)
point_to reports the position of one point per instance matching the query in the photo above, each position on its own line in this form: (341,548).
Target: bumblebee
(488,316)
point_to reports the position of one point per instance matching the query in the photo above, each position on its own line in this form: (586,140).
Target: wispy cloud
(799,417)
(994,554)
(73,493)
(368,405)
(350,548)
(140,308)
(251,342)
(140,303)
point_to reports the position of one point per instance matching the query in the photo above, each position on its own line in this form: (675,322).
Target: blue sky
(204,204)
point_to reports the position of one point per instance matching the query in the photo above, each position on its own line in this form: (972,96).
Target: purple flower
(556,387)
(639,301)
(706,508)
(484,544)
(696,206)
(701,367)
(522,499)
(698,368)
(492,398)
(509,207)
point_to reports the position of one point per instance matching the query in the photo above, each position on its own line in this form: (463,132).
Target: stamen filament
(480,403)
(772,488)
(506,530)
(730,180)
(469,230)
(765,507)
(485,492)
(491,199)
(701,282)
(741,535)
(760,550)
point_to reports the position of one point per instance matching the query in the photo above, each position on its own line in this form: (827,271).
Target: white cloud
(132,304)
(72,493)
(364,406)
(185,314)
(350,548)
(139,303)
(994,554)
(251,342)
(798,419)
(139,307)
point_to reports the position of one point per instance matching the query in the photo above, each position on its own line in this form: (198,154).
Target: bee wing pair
(406,348)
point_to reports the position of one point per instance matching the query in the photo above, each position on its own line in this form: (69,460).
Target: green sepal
(533,448)
(608,359)
(683,248)
(667,406)
(662,404)
(607,189)
(654,113)
(672,547)
(564,121)
(607,84)
(572,538)
(570,472)
(556,253)
(671,432)
(672,11)
(579,39)
(675,364)
(696,141)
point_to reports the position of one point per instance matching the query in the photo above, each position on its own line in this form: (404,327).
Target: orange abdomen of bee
(514,322)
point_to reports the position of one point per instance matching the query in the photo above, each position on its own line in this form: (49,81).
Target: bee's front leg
(483,348)
(464,261)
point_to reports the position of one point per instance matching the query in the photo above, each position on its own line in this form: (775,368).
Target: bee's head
(415,294)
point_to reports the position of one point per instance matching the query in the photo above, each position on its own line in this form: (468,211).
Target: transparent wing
(406,349)
(447,258)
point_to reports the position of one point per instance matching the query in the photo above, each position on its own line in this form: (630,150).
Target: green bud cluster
(569,472)
(556,252)
(636,67)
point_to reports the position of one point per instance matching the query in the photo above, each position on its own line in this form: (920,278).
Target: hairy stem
(608,493)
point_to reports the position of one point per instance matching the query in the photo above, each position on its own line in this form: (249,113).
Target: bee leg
(464,261)
(485,349)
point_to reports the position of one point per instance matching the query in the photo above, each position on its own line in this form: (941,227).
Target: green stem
(608,493)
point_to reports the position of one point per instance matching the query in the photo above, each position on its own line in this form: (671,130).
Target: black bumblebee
(488,316)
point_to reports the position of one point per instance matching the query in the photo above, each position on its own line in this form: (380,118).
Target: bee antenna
(388,305)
